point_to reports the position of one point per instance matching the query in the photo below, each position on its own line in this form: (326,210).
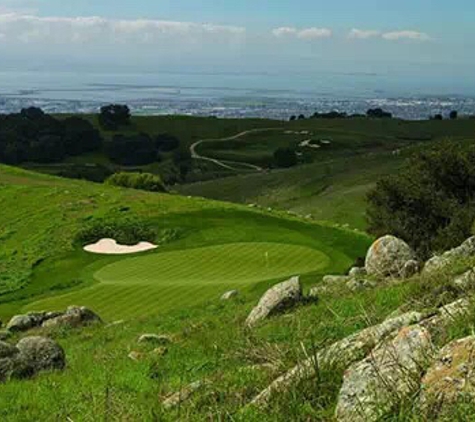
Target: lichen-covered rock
(357,272)
(183,395)
(25,322)
(441,262)
(230,295)
(450,378)
(411,268)
(466,280)
(73,317)
(41,353)
(357,285)
(155,339)
(387,256)
(137,356)
(336,279)
(7,350)
(372,387)
(280,296)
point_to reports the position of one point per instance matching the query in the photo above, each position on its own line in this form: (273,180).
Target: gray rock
(25,322)
(230,295)
(7,350)
(466,280)
(73,317)
(155,339)
(387,257)
(451,377)
(336,279)
(357,272)
(41,353)
(372,387)
(441,262)
(341,353)
(183,395)
(357,285)
(280,296)
(411,268)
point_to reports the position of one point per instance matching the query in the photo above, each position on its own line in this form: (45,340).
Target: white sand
(111,247)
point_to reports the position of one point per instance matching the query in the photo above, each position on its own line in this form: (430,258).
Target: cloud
(406,35)
(362,34)
(30,29)
(303,34)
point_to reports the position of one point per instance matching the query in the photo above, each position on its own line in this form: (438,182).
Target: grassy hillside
(44,267)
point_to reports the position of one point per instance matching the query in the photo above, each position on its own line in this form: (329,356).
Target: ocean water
(230,95)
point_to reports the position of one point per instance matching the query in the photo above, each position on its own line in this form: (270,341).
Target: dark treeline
(34,136)
(373,113)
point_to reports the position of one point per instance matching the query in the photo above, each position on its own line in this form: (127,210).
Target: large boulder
(73,317)
(41,353)
(391,372)
(440,262)
(450,378)
(279,297)
(230,295)
(25,322)
(387,257)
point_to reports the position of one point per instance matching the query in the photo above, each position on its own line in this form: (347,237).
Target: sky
(418,39)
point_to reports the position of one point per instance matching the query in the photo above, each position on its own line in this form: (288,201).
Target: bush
(126,231)
(430,204)
(285,157)
(141,181)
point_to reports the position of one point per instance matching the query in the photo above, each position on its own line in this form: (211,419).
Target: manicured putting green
(162,281)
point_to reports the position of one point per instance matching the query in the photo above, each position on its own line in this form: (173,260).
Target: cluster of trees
(142,181)
(431,203)
(285,157)
(373,113)
(139,149)
(453,115)
(32,135)
(113,116)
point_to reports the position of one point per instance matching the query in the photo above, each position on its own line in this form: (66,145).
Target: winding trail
(228,164)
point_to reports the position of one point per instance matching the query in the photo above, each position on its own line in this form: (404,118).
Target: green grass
(44,267)
(164,281)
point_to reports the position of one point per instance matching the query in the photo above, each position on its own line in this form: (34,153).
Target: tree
(80,136)
(301,117)
(454,115)
(285,157)
(166,143)
(292,118)
(438,117)
(133,150)
(113,116)
(430,202)
(378,113)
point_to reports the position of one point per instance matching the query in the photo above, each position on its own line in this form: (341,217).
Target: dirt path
(228,164)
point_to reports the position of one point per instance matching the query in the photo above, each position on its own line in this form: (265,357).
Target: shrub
(126,231)
(142,181)
(430,202)
(285,157)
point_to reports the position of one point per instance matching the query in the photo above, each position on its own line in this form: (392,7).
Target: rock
(74,317)
(341,353)
(159,351)
(5,335)
(466,280)
(7,350)
(276,298)
(439,262)
(137,356)
(387,257)
(115,323)
(411,268)
(230,295)
(155,339)
(182,395)
(25,322)
(357,272)
(41,353)
(359,285)
(315,292)
(372,387)
(451,377)
(336,279)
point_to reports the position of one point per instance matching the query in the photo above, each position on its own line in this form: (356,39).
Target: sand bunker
(111,247)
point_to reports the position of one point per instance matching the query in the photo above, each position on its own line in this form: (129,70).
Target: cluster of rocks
(159,342)
(30,356)
(74,316)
